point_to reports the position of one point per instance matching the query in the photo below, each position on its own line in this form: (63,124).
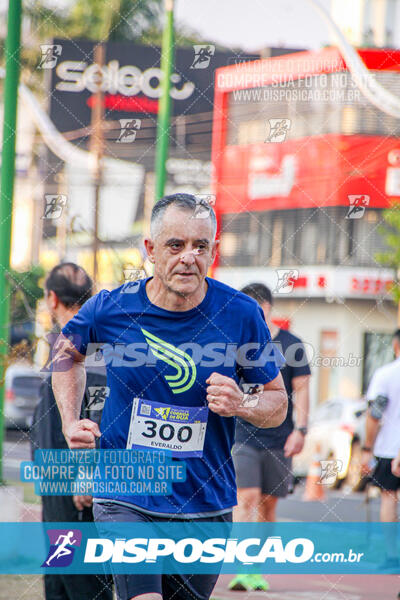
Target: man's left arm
(301,389)
(226,399)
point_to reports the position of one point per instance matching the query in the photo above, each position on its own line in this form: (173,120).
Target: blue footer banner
(202,547)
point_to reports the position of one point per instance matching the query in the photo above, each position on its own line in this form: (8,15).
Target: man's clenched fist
(223,395)
(81,434)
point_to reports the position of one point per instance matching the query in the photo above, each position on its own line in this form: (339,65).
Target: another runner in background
(263,457)
(157,383)
(382,438)
(67,288)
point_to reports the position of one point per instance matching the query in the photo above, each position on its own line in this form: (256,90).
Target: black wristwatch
(302,430)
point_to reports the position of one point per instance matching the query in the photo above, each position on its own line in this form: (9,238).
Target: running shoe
(248,582)
(258,582)
(240,583)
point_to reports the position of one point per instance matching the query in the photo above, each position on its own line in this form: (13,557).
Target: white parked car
(337,432)
(22,383)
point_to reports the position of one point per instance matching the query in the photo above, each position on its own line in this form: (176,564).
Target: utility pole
(7,189)
(97,148)
(164,107)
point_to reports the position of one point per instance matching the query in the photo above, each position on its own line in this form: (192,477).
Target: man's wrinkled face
(182,251)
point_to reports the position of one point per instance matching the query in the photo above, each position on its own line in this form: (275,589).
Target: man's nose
(188,258)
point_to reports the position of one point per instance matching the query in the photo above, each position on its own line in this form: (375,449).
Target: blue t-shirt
(165,357)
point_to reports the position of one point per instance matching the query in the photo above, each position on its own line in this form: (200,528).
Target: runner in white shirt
(383,431)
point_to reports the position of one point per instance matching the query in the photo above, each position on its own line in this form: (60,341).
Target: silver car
(22,383)
(336,432)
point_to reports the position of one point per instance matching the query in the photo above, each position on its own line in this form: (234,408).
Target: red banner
(309,172)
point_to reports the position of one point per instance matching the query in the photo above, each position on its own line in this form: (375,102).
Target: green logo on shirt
(185,375)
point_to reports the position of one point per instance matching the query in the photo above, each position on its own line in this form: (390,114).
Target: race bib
(179,429)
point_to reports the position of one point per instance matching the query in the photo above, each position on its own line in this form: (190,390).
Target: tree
(25,292)
(115,20)
(391,235)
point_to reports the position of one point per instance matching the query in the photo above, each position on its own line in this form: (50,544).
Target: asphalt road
(338,505)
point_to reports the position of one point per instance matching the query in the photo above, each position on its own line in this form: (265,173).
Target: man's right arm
(69,381)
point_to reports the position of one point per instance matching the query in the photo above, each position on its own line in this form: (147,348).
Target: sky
(254,24)
(249,24)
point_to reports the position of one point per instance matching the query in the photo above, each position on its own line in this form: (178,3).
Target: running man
(382,439)
(189,326)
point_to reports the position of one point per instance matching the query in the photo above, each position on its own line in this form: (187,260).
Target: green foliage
(391,234)
(115,20)
(25,292)
(46,19)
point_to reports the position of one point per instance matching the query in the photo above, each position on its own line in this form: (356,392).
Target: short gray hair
(187,202)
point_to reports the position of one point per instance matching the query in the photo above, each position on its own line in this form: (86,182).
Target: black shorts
(171,587)
(78,587)
(267,469)
(383,477)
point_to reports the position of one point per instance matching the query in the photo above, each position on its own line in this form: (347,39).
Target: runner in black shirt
(262,457)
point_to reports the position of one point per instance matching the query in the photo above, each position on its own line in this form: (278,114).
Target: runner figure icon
(62,549)
(202,55)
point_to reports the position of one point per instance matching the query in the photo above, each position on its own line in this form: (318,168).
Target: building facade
(304,167)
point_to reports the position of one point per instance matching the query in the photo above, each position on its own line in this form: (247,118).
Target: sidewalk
(13,507)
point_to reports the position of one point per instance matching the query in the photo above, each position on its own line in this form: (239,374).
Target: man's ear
(149,245)
(267,309)
(214,250)
(53,299)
